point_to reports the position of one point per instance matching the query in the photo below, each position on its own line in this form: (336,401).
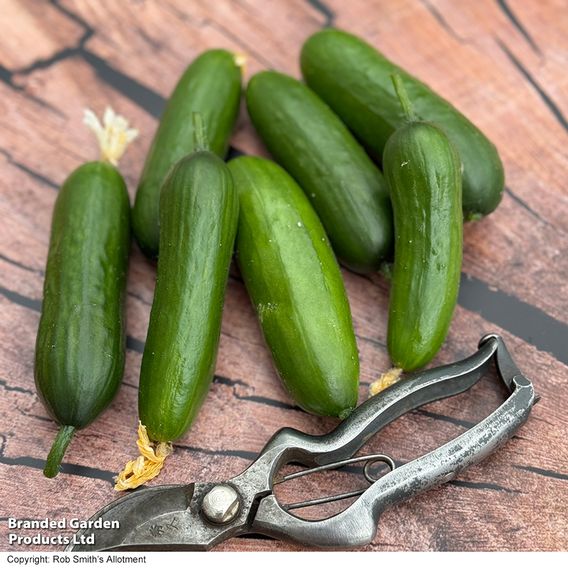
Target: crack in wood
(27,170)
(328,14)
(257,399)
(45,63)
(544,97)
(20,300)
(134,344)
(219,379)
(7,77)
(241,339)
(4,384)
(444,418)
(38,417)
(268,402)
(139,298)
(21,265)
(505,8)
(72,16)
(544,472)
(444,24)
(371,340)
(524,205)
(154,44)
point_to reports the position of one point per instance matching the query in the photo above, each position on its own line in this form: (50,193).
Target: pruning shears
(198,516)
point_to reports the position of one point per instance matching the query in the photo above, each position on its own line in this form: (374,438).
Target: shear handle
(357,525)
(289,445)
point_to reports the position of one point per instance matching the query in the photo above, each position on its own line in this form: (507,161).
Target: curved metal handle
(356,525)
(289,445)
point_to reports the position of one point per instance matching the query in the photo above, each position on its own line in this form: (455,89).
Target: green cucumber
(198,222)
(423,171)
(211,85)
(295,285)
(353,78)
(79,357)
(344,186)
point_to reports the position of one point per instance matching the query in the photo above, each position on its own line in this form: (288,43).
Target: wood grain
(501,62)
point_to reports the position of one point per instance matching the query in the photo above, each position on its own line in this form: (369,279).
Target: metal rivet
(449,476)
(221,504)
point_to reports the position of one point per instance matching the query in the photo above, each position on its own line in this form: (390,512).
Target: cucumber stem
(403,98)
(199,132)
(57,451)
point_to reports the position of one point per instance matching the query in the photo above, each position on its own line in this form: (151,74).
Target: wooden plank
(500,62)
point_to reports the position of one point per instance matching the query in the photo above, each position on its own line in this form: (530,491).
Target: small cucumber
(79,358)
(198,222)
(344,186)
(295,284)
(211,85)
(422,169)
(353,78)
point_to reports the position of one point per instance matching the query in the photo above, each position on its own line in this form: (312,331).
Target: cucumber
(198,222)
(344,186)
(211,85)
(423,171)
(79,357)
(295,285)
(354,79)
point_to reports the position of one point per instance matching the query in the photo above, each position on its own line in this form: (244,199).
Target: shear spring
(370,461)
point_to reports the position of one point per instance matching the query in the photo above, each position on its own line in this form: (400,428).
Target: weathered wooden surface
(501,62)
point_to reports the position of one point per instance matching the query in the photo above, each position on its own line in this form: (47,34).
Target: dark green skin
(198,221)
(295,285)
(345,188)
(79,359)
(211,85)
(422,169)
(354,79)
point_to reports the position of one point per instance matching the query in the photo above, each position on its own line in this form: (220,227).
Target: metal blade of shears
(157,518)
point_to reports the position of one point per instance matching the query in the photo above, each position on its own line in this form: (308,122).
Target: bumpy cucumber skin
(198,222)
(354,79)
(79,358)
(211,85)
(422,169)
(345,188)
(295,285)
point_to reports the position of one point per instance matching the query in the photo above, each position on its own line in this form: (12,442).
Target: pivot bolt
(221,504)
